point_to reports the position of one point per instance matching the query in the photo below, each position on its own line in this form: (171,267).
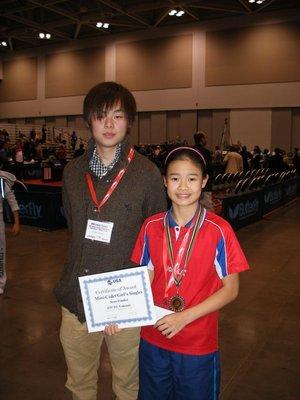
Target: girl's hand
(111,329)
(15,229)
(171,324)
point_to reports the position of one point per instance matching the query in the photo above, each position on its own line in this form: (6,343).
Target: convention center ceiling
(35,23)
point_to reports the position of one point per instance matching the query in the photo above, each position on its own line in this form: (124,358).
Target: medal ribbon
(113,186)
(185,248)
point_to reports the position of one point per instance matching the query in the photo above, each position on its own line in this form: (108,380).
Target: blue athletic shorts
(166,375)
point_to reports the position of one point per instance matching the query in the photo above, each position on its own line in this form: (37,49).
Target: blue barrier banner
(242,210)
(272,197)
(290,189)
(41,209)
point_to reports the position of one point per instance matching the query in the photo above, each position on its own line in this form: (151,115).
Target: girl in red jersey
(193,259)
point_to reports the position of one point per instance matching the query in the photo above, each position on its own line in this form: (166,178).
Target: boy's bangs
(104,97)
(105,105)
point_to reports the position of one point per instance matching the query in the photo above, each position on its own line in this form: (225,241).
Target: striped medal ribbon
(178,268)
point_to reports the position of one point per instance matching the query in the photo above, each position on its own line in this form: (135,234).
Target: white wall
(197,97)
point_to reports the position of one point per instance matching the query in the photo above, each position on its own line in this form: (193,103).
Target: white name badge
(99,230)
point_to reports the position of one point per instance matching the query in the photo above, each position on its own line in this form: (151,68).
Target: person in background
(276,163)
(218,158)
(109,187)
(233,160)
(4,136)
(157,157)
(29,150)
(3,154)
(39,150)
(265,158)
(19,159)
(247,156)
(6,192)
(61,154)
(200,143)
(78,152)
(44,134)
(256,149)
(32,134)
(73,140)
(239,146)
(255,162)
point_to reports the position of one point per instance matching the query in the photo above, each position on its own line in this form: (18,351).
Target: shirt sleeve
(230,257)
(10,197)
(141,250)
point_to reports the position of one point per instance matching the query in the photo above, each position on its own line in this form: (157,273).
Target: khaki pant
(82,352)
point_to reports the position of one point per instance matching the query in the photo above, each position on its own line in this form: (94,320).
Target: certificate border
(114,276)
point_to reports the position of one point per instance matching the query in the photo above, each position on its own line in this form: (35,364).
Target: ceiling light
(43,35)
(173,12)
(259,1)
(104,25)
(179,13)
(3,43)
(251,1)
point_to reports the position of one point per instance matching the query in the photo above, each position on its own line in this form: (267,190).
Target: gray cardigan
(139,195)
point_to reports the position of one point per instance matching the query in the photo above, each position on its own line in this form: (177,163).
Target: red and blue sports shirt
(216,254)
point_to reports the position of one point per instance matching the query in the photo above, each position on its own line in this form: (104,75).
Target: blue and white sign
(121,297)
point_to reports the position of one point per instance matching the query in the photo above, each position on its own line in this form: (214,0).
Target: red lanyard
(186,247)
(113,186)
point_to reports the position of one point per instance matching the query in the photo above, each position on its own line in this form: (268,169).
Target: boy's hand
(171,324)
(111,329)
(15,229)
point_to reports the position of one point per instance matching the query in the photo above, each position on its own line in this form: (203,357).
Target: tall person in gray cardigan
(109,111)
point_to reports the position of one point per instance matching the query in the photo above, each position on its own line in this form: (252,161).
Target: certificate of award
(121,297)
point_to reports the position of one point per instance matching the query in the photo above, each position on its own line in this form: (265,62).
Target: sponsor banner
(242,210)
(290,189)
(272,197)
(40,209)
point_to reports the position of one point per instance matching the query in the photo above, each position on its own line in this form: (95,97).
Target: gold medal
(176,303)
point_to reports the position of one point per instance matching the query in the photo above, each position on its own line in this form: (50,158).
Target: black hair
(104,96)
(186,153)
(200,138)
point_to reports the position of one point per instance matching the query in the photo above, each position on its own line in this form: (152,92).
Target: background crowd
(234,158)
